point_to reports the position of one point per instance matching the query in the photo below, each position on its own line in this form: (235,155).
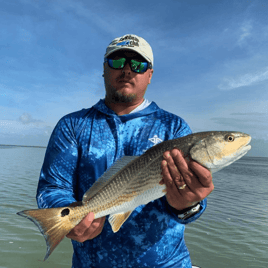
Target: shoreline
(31,146)
(3,146)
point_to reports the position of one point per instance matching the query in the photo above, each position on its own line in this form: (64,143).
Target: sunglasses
(135,65)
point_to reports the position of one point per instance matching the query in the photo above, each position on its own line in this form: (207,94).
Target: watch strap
(188,212)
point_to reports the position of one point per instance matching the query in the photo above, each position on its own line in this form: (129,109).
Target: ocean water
(232,232)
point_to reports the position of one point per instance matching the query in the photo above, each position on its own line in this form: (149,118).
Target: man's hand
(187,181)
(88,228)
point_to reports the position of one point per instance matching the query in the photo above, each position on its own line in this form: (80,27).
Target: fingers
(190,176)
(85,223)
(80,228)
(203,174)
(88,228)
(97,225)
(177,172)
(79,234)
(171,174)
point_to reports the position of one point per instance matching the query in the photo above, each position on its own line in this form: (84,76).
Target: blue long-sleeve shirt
(82,147)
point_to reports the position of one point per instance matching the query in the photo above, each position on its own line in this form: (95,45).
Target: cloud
(22,128)
(254,124)
(21,133)
(244,33)
(27,118)
(250,114)
(240,122)
(244,80)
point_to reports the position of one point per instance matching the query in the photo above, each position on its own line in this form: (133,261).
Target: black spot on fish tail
(65,212)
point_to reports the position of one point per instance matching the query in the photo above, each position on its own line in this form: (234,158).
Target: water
(21,244)
(233,231)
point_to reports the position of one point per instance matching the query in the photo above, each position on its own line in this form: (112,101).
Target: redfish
(134,180)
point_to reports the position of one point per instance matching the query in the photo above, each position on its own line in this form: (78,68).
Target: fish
(135,180)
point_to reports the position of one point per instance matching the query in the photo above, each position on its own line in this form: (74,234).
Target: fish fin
(104,179)
(117,220)
(52,223)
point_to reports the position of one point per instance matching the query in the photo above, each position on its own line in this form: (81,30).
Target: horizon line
(35,146)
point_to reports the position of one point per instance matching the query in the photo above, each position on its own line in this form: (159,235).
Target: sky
(210,62)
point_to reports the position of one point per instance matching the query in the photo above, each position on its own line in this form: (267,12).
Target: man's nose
(127,68)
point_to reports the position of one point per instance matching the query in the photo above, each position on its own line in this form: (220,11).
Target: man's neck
(123,108)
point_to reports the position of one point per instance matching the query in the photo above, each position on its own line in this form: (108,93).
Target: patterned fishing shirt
(82,147)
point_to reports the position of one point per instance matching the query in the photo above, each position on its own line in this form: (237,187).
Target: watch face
(189,213)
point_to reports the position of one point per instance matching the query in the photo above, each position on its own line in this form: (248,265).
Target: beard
(118,97)
(115,96)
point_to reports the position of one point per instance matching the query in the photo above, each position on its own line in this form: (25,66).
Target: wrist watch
(189,212)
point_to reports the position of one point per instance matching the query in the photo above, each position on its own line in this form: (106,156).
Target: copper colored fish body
(134,180)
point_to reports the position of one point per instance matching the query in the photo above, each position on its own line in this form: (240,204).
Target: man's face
(125,86)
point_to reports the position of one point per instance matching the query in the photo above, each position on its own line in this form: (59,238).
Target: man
(86,143)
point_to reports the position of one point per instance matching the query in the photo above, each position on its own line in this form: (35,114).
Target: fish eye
(65,212)
(230,138)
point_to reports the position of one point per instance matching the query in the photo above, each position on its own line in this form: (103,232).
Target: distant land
(259,147)
(9,145)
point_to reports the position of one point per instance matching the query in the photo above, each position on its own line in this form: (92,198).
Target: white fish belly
(142,199)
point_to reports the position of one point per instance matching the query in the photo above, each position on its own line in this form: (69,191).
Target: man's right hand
(88,228)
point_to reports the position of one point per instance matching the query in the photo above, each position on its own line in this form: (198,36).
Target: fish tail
(52,223)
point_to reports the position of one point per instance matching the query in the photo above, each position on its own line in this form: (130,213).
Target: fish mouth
(246,147)
(240,153)
(243,151)
(249,140)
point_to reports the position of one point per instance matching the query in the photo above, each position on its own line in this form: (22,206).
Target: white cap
(131,42)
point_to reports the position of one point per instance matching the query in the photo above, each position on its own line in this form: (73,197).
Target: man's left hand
(187,182)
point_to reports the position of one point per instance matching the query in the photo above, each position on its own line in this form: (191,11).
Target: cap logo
(129,41)
(129,37)
(128,44)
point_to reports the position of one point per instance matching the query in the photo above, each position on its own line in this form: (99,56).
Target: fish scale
(134,180)
(136,187)
(144,185)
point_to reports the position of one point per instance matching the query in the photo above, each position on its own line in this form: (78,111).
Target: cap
(131,42)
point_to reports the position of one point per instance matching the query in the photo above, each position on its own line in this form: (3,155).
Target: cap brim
(126,48)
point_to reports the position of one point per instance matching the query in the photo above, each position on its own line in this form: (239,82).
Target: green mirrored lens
(118,64)
(138,66)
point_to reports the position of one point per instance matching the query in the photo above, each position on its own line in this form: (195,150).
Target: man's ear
(150,75)
(103,69)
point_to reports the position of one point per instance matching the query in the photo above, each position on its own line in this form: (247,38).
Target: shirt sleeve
(58,174)
(182,131)
(172,211)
